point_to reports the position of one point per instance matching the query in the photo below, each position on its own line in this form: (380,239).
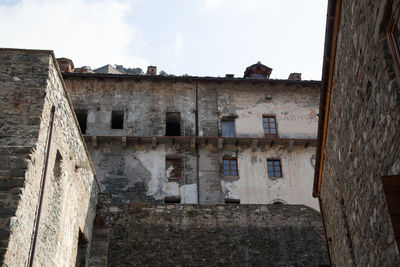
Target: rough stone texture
(30,86)
(207,235)
(362,142)
(136,172)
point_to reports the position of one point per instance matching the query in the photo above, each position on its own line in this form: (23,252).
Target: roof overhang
(331,32)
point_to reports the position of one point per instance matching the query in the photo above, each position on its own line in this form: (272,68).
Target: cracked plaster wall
(137,173)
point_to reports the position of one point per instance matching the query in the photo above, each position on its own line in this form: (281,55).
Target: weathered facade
(199,140)
(48,189)
(358,161)
(154,140)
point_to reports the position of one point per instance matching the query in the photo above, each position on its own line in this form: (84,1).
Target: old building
(358,161)
(200,140)
(160,145)
(48,188)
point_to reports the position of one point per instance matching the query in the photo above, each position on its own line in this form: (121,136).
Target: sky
(194,37)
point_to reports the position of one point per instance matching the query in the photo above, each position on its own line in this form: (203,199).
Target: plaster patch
(231,190)
(171,189)
(188,193)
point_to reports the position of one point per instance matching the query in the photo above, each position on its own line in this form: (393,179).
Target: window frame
(230,170)
(274,171)
(275,123)
(394,44)
(391,190)
(234,127)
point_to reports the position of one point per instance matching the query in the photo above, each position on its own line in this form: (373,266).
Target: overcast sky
(195,37)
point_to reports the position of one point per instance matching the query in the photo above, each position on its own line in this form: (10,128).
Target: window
(57,171)
(228,128)
(391,187)
(274,168)
(172,199)
(117,119)
(393,34)
(269,124)
(82,250)
(230,167)
(81,115)
(173,168)
(173,124)
(232,201)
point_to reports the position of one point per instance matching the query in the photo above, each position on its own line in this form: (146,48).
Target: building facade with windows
(205,140)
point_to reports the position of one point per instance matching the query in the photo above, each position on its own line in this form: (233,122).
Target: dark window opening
(173,168)
(57,166)
(172,200)
(81,115)
(82,250)
(391,187)
(274,168)
(269,125)
(232,201)
(230,167)
(173,124)
(228,128)
(117,119)
(278,203)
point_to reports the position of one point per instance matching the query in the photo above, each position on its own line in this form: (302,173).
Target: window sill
(275,177)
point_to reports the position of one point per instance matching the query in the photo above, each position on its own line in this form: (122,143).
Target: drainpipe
(197,145)
(41,192)
(326,236)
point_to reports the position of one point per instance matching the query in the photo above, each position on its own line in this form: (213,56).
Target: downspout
(41,193)
(326,236)
(196,144)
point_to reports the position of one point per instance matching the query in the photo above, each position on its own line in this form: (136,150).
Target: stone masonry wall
(70,190)
(207,235)
(363,136)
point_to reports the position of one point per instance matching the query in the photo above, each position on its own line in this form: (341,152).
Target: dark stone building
(358,160)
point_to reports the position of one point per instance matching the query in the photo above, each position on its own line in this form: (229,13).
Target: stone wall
(31,87)
(363,136)
(207,235)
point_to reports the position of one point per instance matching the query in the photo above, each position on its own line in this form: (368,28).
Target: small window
(274,168)
(173,124)
(232,201)
(173,168)
(393,34)
(230,167)
(228,128)
(117,119)
(391,187)
(82,250)
(57,171)
(172,200)
(81,115)
(269,124)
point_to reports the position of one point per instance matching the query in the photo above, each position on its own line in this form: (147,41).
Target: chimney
(229,76)
(295,76)
(151,70)
(65,64)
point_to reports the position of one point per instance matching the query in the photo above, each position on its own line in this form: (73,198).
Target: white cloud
(178,44)
(90,32)
(212,4)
